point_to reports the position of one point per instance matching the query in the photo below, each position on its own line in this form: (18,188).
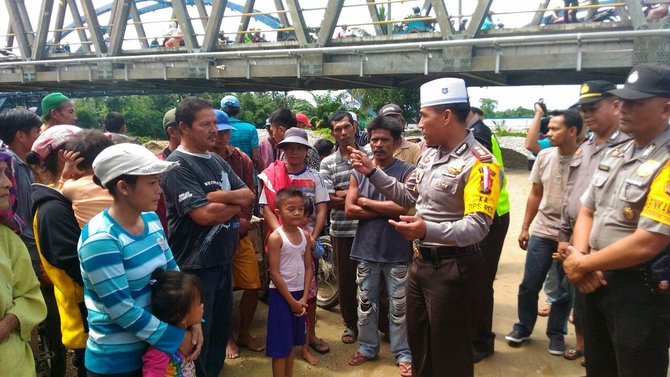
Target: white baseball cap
(443,91)
(130,159)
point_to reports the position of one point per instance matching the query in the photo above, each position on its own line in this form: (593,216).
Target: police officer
(455,189)
(600,113)
(625,325)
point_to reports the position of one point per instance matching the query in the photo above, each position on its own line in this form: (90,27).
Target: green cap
(169,119)
(52,101)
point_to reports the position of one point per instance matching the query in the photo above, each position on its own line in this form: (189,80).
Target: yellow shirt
(19,295)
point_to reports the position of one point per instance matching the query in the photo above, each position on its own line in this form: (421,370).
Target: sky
(511,13)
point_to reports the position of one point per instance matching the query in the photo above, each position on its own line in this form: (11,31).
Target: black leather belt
(437,253)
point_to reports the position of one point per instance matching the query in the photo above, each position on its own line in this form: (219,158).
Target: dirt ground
(533,359)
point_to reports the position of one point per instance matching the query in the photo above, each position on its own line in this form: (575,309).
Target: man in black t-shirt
(203,199)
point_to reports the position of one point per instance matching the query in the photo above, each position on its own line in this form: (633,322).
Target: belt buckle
(416,250)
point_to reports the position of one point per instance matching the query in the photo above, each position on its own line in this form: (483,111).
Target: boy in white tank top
(291,274)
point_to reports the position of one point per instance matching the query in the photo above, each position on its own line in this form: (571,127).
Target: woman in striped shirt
(118,250)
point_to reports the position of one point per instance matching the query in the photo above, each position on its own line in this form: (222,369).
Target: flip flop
(320,346)
(358,359)
(349,336)
(405,369)
(573,354)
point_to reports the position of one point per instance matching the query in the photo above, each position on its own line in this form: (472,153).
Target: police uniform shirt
(619,190)
(583,165)
(455,192)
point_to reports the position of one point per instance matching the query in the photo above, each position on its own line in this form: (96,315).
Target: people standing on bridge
(245,135)
(114,123)
(492,245)
(379,250)
(570,15)
(599,110)
(336,170)
(539,233)
(57,109)
(407,151)
(204,198)
(626,322)
(244,266)
(455,189)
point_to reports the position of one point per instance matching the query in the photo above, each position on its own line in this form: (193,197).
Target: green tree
(372,100)
(488,106)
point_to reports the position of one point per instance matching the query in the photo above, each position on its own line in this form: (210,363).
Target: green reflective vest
(503,202)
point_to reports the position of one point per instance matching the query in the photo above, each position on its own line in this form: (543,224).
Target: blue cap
(229,101)
(222,122)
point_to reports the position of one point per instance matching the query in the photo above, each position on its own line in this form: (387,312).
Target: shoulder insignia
(461,149)
(578,152)
(648,150)
(481,153)
(614,136)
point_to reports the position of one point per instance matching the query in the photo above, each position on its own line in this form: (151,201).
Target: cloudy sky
(511,13)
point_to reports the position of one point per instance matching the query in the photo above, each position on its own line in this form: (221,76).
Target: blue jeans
(551,286)
(538,263)
(367,278)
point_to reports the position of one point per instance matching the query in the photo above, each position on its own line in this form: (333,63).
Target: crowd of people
(132,257)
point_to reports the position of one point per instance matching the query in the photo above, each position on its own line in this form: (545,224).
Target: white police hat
(443,91)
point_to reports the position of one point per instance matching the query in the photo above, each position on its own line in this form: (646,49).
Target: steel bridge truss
(107,59)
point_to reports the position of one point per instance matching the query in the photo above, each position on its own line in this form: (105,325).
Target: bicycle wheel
(327,296)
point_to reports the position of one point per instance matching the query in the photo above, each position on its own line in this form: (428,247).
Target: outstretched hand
(411,227)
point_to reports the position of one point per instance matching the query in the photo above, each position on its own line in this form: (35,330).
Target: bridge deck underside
(556,63)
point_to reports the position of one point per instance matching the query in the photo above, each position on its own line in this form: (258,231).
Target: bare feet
(232,351)
(250,343)
(311,359)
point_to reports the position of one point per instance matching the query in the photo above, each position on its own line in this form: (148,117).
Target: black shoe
(478,355)
(557,346)
(515,338)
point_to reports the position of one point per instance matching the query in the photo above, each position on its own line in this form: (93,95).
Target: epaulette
(481,153)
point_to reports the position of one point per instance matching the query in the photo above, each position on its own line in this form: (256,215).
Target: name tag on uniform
(603,167)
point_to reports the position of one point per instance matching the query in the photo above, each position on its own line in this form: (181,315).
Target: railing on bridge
(344,41)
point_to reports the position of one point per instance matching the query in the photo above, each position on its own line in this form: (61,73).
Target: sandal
(349,336)
(405,369)
(358,359)
(573,354)
(544,310)
(320,346)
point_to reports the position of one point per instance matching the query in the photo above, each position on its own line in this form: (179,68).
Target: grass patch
(510,133)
